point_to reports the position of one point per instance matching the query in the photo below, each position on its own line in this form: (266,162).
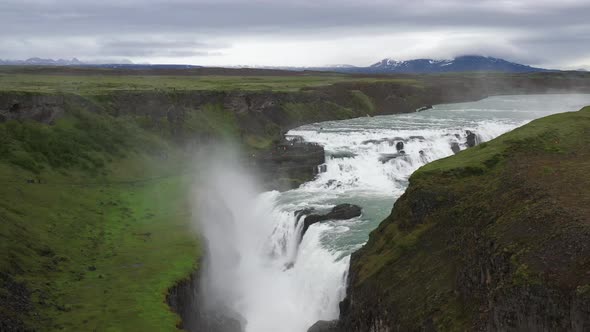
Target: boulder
(472,139)
(324,326)
(455,147)
(339,212)
(399,146)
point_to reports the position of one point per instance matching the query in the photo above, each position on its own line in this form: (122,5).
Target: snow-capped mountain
(458,64)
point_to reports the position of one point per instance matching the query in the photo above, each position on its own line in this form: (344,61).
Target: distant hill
(466,63)
(41,62)
(458,64)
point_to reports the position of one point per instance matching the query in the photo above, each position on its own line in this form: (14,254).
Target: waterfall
(260,268)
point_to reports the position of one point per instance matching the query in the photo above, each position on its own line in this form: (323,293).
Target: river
(277,281)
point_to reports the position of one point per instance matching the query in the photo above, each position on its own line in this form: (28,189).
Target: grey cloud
(242,16)
(160,48)
(533,31)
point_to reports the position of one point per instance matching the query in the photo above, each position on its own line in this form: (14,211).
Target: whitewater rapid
(277,281)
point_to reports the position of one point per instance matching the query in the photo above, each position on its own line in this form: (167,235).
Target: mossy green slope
(95,225)
(496,237)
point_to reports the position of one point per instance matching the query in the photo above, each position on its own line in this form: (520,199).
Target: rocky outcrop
(339,212)
(42,108)
(495,238)
(471,139)
(185,299)
(288,164)
(455,147)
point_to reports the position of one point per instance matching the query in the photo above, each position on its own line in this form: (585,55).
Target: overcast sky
(549,33)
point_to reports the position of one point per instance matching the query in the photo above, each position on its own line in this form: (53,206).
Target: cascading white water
(258,267)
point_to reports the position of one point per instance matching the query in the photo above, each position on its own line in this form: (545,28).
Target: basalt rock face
(41,108)
(496,238)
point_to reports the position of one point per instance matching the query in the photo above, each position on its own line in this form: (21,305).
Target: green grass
(106,232)
(93,84)
(362,101)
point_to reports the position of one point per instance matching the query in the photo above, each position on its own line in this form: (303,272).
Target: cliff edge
(495,238)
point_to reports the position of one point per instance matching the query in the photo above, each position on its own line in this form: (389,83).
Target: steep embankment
(494,238)
(94,225)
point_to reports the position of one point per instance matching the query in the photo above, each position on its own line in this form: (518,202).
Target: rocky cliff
(495,238)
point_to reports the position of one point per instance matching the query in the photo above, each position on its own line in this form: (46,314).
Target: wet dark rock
(333,182)
(339,212)
(417,137)
(472,139)
(455,147)
(399,146)
(322,168)
(324,326)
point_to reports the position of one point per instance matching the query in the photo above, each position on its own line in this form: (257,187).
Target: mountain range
(465,63)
